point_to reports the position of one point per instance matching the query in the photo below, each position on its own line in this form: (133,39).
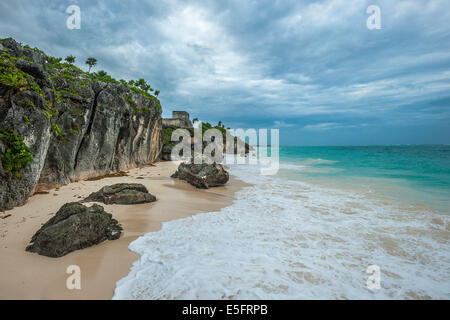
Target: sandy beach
(31,276)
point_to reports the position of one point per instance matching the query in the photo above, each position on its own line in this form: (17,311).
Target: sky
(312,69)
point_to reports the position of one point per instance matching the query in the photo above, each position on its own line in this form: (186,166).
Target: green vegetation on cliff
(42,83)
(136,87)
(14,77)
(17,155)
(59,123)
(70,59)
(167,137)
(168,131)
(10,75)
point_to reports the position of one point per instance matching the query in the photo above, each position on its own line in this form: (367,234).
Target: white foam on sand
(286,239)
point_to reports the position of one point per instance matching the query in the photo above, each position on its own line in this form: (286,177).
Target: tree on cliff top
(141,83)
(70,59)
(91,62)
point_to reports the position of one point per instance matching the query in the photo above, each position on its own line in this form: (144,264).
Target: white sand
(27,275)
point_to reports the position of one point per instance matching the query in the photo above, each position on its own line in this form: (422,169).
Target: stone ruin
(180,119)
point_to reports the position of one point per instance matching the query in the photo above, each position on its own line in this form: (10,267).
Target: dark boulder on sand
(74,227)
(202,176)
(122,193)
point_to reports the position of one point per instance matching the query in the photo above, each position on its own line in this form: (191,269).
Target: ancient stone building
(180,119)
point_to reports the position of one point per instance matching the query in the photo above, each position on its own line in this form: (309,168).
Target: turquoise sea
(314,230)
(414,173)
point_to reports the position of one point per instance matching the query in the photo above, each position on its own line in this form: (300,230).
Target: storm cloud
(311,68)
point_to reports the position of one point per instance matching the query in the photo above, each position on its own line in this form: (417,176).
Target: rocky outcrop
(122,193)
(74,227)
(77,126)
(238,146)
(202,176)
(166,153)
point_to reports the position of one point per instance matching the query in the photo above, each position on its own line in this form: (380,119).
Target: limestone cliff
(59,124)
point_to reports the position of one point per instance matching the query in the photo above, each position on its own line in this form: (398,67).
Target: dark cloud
(311,68)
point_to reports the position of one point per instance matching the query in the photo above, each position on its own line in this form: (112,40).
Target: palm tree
(70,59)
(91,62)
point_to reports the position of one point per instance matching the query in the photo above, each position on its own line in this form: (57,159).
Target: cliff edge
(59,124)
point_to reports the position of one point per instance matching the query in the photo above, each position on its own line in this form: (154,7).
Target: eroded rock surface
(202,176)
(76,126)
(74,227)
(122,193)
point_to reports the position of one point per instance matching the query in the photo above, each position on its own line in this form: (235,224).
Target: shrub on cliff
(18,80)
(143,85)
(167,133)
(102,76)
(70,59)
(17,155)
(10,75)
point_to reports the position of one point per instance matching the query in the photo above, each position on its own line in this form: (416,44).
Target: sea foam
(285,239)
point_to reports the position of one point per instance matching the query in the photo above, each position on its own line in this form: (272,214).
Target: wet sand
(27,275)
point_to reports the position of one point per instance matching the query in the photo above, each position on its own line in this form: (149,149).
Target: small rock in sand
(122,193)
